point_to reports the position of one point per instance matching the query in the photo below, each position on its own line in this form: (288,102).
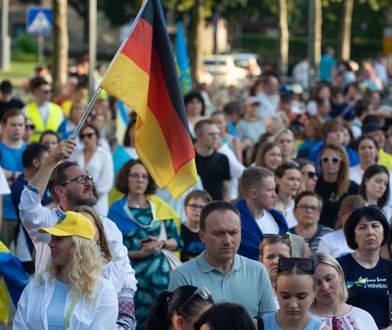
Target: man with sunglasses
(45,115)
(227,275)
(70,186)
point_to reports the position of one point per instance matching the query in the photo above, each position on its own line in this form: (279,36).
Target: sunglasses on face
(312,175)
(203,293)
(87,135)
(304,264)
(31,127)
(333,160)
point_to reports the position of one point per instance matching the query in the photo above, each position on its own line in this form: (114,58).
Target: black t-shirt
(331,203)
(213,170)
(367,288)
(14,103)
(192,244)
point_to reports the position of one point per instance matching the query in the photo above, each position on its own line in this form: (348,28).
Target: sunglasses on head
(290,164)
(304,264)
(203,293)
(284,236)
(87,135)
(334,160)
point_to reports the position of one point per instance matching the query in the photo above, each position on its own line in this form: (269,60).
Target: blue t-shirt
(271,322)
(11,160)
(327,63)
(56,307)
(367,288)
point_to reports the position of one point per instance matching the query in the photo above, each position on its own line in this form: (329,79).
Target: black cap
(6,87)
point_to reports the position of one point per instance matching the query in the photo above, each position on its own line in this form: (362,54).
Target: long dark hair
(166,304)
(371,171)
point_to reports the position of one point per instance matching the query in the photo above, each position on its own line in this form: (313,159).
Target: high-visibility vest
(53,122)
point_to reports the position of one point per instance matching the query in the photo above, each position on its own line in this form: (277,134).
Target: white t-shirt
(289,215)
(334,244)
(267,224)
(356,173)
(4,187)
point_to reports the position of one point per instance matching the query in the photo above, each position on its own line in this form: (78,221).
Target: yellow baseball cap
(72,224)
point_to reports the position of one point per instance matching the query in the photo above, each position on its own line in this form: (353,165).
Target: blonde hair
(325,259)
(84,268)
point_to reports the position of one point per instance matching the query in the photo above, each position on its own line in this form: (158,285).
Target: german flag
(143,75)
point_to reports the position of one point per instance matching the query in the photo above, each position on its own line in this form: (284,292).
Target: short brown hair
(58,176)
(14,112)
(202,194)
(122,178)
(201,123)
(252,177)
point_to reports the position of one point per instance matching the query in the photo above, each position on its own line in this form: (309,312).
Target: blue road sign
(39,21)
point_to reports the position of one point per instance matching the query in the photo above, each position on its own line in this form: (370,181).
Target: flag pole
(94,98)
(82,120)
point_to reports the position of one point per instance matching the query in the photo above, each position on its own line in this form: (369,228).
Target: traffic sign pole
(41,50)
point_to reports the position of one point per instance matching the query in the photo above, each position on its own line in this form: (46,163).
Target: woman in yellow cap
(71,294)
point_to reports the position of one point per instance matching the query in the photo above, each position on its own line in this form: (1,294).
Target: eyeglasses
(304,264)
(32,127)
(312,175)
(311,208)
(195,207)
(139,176)
(81,179)
(203,293)
(334,160)
(46,91)
(87,135)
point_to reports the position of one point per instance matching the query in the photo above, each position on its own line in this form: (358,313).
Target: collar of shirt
(206,267)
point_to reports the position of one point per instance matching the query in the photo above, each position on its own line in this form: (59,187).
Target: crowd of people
(288,226)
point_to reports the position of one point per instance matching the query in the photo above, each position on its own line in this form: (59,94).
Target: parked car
(249,62)
(224,70)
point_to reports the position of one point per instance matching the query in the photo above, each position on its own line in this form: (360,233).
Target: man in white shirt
(71,186)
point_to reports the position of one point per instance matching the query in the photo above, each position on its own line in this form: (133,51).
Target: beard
(83,200)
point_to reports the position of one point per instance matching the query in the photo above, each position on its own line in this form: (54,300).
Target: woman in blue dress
(149,232)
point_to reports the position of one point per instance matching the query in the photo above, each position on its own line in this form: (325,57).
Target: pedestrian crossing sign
(39,21)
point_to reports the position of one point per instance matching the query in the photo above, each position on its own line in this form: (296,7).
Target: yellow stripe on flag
(129,83)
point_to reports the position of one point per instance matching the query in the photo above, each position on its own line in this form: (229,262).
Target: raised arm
(62,152)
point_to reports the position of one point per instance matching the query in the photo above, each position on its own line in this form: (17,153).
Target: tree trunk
(314,40)
(60,45)
(283,38)
(196,28)
(345,30)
